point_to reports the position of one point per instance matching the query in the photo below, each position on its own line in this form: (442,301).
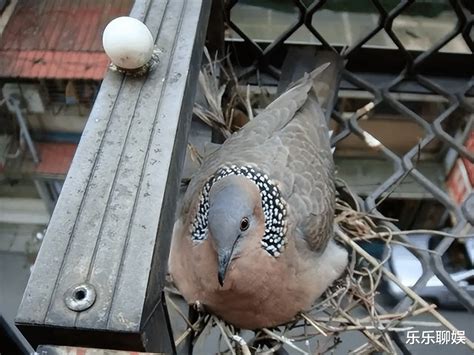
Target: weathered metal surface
(112,224)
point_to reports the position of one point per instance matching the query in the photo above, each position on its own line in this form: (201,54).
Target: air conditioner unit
(29,95)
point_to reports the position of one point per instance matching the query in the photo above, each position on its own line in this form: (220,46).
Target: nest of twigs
(349,305)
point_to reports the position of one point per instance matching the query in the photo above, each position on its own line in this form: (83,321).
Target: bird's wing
(289,141)
(311,165)
(310,169)
(255,143)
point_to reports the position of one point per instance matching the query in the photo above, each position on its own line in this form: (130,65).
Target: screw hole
(79,295)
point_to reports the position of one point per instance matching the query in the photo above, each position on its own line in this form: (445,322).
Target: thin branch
(406,289)
(284,340)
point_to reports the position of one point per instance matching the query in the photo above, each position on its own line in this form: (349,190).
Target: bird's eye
(244,224)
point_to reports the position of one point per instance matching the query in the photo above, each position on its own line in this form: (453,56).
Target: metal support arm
(99,275)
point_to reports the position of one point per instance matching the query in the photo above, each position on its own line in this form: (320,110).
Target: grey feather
(288,141)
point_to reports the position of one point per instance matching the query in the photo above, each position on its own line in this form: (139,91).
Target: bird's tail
(325,78)
(326,83)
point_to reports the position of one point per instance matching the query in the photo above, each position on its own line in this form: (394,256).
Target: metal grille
(448,76)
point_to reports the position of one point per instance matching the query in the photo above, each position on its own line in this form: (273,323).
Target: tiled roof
(55,158)
(58,38)
(53,64)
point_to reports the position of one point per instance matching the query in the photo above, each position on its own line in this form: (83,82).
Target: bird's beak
(224,260)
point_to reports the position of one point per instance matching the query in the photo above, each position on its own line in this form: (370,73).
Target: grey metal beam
(110,231)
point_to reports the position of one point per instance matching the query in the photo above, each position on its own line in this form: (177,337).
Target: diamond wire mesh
(261,60)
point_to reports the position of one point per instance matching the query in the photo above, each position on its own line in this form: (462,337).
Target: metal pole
(45,195)
(15,103)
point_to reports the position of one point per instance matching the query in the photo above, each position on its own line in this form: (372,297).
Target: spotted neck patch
(273,205)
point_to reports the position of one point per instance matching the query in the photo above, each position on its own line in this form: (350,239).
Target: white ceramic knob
(128,42)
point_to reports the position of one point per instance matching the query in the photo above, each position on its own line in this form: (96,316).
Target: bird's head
(235,214)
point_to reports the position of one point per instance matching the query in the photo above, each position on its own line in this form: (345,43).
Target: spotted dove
(253,242)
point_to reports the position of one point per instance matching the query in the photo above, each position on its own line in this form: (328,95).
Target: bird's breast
(260,291)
